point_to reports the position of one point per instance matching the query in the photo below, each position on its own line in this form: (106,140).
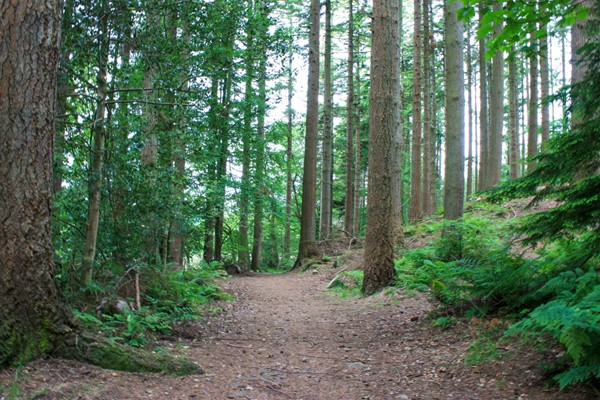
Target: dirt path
(287,338)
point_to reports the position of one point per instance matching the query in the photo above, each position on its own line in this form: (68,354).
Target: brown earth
(287,337)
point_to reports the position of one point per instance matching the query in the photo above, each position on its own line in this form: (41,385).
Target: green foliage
(520,19)
(550,293)
(168,297)
(347,283)
(572,318)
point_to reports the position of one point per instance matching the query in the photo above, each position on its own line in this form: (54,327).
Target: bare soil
(287,337)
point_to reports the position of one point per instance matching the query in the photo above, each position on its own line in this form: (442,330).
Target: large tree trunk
(99,136)
(31,320)
(327,160)
(415,209)
(579,36)
(455,111)
(383,128)
(307,247)
(496,109)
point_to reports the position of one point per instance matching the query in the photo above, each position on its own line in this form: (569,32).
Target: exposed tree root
(103,352)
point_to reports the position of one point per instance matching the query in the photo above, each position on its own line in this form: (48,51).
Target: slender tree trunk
(532,123)
(433,159)
(470,111)
(350,134)
(525,95)
(357,148)
(99,136)
(428,99)
(243,242)
(307,247)
(565,104)
(513,93)
(384,124)
(483,115)
(496,109)
(260,139)
(211,175)
(455,110)
(327,161)
(415,210)
(221,181)
(176,230)
(545,85)
(63,90)
(288,159)
(396,160)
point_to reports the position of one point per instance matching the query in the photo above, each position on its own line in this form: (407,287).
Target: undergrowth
(166,297)
(347,283)
(551,293)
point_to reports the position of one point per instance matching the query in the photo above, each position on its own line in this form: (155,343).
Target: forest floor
(288,337)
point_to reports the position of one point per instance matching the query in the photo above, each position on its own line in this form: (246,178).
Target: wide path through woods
(287,337)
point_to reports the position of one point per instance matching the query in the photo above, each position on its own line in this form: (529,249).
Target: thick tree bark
(327,148)
(384,124)
(455,112)
(307,247)
(483,115)
(579,36)
(496,109)
(349,206)
(415,209)
(96,165)
(513,93)
(31,320)
(532,108)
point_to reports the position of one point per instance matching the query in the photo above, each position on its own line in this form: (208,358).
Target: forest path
(287,337)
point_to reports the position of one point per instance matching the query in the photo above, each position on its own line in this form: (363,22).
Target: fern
(573,320)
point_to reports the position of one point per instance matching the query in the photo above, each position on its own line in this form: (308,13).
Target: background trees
(179,134)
